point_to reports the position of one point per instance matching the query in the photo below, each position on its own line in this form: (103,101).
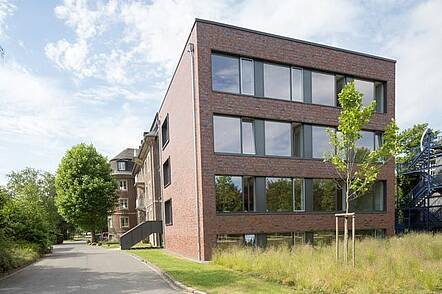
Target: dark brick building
(242,133)
(125,216)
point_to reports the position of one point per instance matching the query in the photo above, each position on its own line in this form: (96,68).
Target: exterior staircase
(139,233)
(421,208)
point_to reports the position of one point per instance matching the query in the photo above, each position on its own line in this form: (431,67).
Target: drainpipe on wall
(191,50)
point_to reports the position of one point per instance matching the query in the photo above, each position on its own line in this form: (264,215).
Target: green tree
(37,188)
(356,172)
(86,190)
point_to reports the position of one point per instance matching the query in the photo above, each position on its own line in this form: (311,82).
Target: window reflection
(321,142)
(227,134)
(247,76)
(323,89)
(276,81)
(225,73)
(248,138)
(277,138)
(367,90)
(279,193)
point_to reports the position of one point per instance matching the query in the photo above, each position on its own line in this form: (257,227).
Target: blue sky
(96,71)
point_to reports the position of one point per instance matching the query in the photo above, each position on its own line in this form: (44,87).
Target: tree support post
(345,216)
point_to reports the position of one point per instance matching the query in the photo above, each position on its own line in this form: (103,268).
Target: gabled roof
(128,153)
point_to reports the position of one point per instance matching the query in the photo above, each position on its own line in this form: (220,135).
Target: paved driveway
(78,268)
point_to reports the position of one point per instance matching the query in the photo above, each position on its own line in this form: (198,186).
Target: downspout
(197,204)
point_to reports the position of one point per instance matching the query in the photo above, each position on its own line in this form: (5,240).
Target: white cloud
(417,48)
(6,10)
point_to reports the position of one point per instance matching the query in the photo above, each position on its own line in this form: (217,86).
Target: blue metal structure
(421,208)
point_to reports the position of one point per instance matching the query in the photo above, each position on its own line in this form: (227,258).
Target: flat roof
(293,39)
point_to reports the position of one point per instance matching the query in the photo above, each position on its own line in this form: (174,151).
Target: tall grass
(409,264)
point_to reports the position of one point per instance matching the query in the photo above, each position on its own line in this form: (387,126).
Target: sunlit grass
(409,264)
(17,254)
(209,277)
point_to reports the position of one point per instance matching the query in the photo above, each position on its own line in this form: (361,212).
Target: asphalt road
(78,268)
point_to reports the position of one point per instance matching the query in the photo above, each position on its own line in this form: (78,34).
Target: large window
(278,138)
(227,134)
(233,135)
(323,89)
(321,142)
(379,96)
(279,194)
(166,173)
(276,81)
(368,142)
(225,73)
(165,131)
(298,194)
(367,90)
(372,200)
(247,76)
(234,193)
(326,196)
(168,212)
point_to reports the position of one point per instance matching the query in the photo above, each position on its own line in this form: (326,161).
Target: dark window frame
(169,173)
(168,212)
(165,125)
(294,66)
(242,194)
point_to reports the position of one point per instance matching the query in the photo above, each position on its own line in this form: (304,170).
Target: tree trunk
(93,237)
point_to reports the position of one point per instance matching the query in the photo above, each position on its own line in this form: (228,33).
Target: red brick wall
(130,194)
(212,37)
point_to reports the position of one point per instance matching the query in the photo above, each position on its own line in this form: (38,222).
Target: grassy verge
(209,277)
(17,254)
(411,264)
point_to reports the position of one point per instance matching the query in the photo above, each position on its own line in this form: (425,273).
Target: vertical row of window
(238,135)
(242,194)
(234,74)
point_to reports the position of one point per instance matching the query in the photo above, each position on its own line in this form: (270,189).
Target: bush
(17,254)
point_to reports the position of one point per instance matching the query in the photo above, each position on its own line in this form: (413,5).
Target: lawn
(209,277)
(409,264)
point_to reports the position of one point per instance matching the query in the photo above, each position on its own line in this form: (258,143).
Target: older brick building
(124,217)
(242,133)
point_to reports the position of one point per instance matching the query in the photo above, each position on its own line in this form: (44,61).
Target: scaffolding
(421,208)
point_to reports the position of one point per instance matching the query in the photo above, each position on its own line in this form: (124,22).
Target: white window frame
(110,224)
(119,167)
(122,185)
(126,200)
(121,222)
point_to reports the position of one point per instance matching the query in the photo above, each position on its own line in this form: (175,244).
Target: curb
(168,278)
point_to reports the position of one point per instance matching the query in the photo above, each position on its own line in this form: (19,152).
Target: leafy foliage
(358,172)
(86,190)
(29,222)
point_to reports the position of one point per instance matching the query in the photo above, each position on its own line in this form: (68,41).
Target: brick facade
(193,169)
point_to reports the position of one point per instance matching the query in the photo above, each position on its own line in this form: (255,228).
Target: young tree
(86,190)
(357,169)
